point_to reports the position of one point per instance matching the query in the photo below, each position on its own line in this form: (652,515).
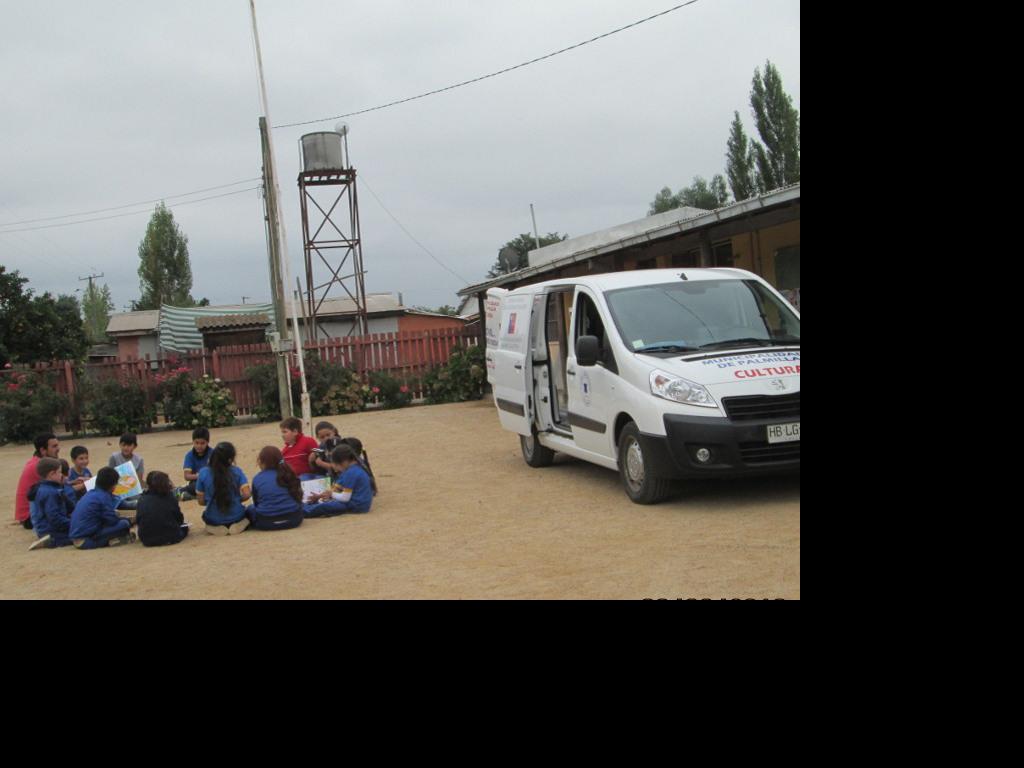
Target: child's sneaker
(43,543)
(182,494)
(216,530)
(128,538)
(238,527)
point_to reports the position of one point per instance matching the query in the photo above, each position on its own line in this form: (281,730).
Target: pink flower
(12,387)
(376,390)
(403,389)
(8,365)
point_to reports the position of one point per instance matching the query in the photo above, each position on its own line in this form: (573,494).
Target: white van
(662,374)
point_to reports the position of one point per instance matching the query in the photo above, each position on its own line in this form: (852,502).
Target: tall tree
(700,194)
(97,305)
(38,328)
(740,162)
(778,124)
(165,273)
(522,245)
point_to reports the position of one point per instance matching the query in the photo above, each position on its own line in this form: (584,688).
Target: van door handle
(518,367)
(571,373)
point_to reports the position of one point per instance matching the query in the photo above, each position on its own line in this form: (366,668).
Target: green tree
(740,162)
(97,305)
(38,328)
(700,194)
(522,245)
(165,273)
(778,125)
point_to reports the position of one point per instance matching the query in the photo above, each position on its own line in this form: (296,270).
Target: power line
(128,205)
(130,213)
(410,235)
(493,74)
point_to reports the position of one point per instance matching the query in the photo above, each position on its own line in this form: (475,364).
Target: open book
(311,488)
(128,486)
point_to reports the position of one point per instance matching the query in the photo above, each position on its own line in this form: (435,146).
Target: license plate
(784,433)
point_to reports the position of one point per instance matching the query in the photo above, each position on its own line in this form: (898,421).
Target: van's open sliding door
(509,364)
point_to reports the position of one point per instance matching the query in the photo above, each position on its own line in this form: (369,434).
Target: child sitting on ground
(158,518)
(364,460)
(129,444)
(297,448)
(70,489)
(95,523)
(276,493)
(197,458)
(51,517)
(351,492)
(320,459)
(221,488)
(80,471)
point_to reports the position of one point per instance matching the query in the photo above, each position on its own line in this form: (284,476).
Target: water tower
(331,238)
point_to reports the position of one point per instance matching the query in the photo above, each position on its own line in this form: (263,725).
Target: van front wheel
(535,454)
(641,485)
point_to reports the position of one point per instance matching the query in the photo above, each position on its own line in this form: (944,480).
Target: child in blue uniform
(351,491)
(95,522)
(51,515)
(221,488)
(276,493)
(80,471)
(197,458)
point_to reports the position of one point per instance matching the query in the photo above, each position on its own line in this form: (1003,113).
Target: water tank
(322,152)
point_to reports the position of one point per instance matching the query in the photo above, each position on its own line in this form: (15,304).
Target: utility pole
(282,338)
(279,230)
(535,235)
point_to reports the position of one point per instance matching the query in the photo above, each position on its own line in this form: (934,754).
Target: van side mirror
(588,351)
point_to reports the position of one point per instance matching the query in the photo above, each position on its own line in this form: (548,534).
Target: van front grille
(769,453)
(763,407)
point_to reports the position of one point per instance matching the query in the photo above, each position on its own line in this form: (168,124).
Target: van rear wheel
(641,485)
(535,454)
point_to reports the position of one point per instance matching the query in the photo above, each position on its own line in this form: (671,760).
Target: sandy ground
(459,515)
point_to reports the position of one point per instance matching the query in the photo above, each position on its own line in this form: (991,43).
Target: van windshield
(695,315)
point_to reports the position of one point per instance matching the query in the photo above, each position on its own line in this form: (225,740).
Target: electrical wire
(130,213)
(362,178)
(493,74)
(129,205)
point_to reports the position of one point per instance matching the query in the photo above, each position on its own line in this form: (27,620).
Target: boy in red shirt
(297,448)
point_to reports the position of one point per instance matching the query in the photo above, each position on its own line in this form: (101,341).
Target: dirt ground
(459,515)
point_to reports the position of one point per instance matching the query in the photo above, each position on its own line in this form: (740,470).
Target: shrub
(341,399)
(265,378)
(29,406)
(461,379)
(389,391)
(176,391)
(332,388)
(114,408)
(213,404)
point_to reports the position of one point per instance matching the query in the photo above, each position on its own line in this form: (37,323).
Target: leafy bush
(265,378)
(341,399)
(213,405)
(114,408)
(332,388)
(176,393)
(29,406)
(461,379)
(389,391)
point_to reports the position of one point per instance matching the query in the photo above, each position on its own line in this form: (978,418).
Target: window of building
(687,260)
(647,264)
(722,254)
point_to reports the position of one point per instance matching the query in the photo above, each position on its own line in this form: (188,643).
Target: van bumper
(738,449)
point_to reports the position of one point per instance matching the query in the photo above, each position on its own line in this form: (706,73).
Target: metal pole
(535,235)
(307,415)
(284,394)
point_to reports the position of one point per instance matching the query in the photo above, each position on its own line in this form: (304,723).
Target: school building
(761,235)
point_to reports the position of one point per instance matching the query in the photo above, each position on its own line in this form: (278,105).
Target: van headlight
(680,390)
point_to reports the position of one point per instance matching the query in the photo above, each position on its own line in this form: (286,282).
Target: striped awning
(178,331)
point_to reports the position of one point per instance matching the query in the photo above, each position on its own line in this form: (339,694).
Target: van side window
(588,323)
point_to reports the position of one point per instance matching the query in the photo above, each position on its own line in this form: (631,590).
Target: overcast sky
(108,102)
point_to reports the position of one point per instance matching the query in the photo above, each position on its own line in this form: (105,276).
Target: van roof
(634,278)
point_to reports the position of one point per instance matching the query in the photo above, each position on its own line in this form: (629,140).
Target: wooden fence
(406,356)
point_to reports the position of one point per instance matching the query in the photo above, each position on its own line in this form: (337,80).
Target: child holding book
(276,493)
(95,522)
(129,444)
(221,488)
(351,492)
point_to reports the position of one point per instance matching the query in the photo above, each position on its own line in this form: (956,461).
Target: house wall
(408,323)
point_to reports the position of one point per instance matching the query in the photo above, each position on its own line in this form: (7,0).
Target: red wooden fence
(406,356)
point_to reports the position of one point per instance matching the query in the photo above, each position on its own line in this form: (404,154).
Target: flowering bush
(461,379)
(29,406)
(389,391)
(212,404)
(342,398)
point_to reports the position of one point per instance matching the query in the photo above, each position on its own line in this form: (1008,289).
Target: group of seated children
(63,513)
